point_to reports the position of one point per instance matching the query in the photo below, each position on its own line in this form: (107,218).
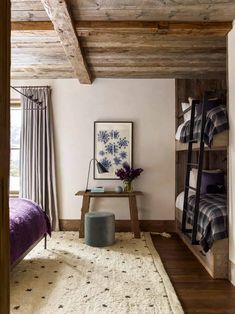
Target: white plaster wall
(231,70)
(150,104)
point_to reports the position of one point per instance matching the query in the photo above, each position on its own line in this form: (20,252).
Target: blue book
(98,189)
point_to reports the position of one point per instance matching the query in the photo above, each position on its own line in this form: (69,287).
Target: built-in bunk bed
(211,245)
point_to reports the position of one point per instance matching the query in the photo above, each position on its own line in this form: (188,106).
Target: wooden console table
(132,205)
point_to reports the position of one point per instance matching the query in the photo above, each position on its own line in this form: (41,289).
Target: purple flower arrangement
(127,173)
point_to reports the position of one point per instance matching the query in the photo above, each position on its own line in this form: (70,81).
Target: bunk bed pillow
(193,178)
(212,182)
(185,106)
(187,115)
(212,103)
(215,189)
(198,104)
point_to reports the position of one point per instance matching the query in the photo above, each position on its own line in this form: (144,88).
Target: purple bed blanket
(28,223)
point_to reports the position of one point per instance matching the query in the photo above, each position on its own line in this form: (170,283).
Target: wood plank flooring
(197,291)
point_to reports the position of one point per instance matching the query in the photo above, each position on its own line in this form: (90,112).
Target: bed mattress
(212,218)
(28,224)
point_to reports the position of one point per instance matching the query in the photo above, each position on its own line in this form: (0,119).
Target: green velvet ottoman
(99,229)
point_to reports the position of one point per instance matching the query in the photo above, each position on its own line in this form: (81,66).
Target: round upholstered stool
(99,229)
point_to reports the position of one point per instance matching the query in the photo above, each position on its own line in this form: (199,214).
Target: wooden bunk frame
(220,142)
(216,260)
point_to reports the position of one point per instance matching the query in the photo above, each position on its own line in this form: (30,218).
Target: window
(15,147)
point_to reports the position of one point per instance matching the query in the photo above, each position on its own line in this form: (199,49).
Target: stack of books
(98,189)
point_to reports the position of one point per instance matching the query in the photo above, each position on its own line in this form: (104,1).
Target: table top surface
(108,194)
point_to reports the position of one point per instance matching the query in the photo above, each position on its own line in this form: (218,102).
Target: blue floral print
(103,137)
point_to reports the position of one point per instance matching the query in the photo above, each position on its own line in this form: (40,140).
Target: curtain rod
(31,86)
(30,98)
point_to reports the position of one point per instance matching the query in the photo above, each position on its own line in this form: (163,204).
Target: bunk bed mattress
(212,218)
(28,224)
(179,203)
(216,122)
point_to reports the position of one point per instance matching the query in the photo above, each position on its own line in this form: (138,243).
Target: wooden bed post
(45,241)
(4,152)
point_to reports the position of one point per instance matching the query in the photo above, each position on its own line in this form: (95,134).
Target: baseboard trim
(125,225)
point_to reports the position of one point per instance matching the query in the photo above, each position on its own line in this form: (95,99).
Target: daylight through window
(15,148)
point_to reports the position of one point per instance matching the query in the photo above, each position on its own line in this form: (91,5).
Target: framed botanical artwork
(113,145)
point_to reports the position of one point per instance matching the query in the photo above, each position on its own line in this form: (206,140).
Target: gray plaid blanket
(212,218)
(216,122)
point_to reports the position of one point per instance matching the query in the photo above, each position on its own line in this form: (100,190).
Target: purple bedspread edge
(28,223)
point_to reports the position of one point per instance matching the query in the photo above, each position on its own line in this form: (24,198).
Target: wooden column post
(84,210)
(134,216)
(4,152)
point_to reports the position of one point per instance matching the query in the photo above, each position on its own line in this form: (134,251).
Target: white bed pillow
(193,178)
(185,106)
(187,115)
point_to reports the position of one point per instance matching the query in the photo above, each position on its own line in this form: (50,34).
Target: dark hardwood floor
(196,290)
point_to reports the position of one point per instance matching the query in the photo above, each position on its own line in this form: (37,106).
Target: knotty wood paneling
(135,10)
(144,41)
(195,88)
(42,72)
(4,152)
(126,49)
(212,159)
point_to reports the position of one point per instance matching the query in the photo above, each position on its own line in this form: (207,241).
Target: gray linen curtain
(37,159)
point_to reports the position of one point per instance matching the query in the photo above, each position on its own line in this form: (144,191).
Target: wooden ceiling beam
(32,26)
(59,71)
(87,28)
(160,75)
(58,13)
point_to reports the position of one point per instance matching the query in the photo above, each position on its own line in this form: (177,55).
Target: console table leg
(134,216)
(84,210)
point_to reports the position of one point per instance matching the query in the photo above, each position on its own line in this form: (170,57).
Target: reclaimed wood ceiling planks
(134,10)
(117,42)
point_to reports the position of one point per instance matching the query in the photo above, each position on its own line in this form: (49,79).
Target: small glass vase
(128,186)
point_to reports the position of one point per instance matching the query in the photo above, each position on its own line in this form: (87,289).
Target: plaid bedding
(216,122)
(212,218)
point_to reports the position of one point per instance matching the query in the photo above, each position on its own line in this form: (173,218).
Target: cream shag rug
(71,277)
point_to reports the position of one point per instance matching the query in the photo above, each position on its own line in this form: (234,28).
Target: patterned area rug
(71,277)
